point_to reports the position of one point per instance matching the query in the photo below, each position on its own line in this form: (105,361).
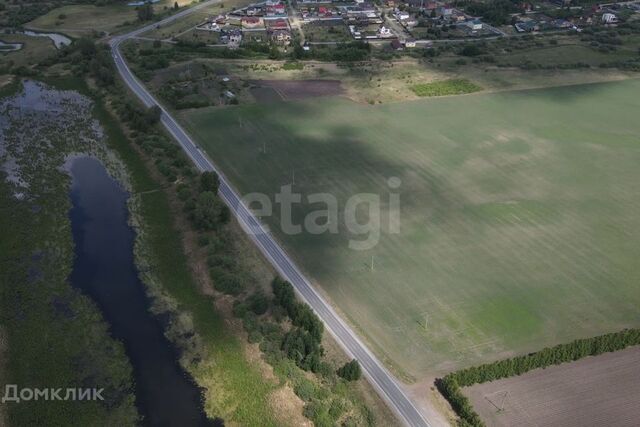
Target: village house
(396,45)
(278,24)
(384,32)
(231,37)
(402,15)
(281,37)
(276,10)
(474,24)
(253,11)
(251,22)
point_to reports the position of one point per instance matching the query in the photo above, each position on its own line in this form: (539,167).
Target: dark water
(104,270)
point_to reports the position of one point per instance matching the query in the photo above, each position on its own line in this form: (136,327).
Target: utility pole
(371,262)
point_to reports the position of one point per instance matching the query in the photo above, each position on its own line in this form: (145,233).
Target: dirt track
(596,391)
(300,89)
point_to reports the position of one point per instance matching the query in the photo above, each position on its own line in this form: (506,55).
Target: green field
(519,213)
(445,87)
(81,19)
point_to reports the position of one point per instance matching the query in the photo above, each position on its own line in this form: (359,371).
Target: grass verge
(445,87)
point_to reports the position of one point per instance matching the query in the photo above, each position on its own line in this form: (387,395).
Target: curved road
(383,381)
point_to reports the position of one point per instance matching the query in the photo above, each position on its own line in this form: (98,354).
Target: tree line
(450,385)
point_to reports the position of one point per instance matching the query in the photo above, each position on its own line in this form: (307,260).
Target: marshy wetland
(69,277)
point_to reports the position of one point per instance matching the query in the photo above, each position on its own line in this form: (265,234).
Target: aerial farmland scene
(319,213)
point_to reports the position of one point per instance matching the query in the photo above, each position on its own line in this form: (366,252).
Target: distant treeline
(450,385)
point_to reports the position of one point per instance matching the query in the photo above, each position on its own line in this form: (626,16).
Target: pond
(104,270)
(58,40)
(9,47)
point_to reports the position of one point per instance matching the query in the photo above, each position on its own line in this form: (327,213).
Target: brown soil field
(300,89)
(595,391)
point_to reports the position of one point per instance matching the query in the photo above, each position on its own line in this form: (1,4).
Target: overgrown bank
(451,384)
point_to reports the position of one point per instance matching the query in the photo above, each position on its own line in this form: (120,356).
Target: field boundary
(451,384)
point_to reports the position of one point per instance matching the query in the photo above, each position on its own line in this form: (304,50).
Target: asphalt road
(382,380)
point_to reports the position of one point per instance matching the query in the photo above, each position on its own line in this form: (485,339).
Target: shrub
(258,303)
(350,371)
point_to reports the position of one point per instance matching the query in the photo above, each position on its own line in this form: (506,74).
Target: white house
(384,32)
(609,18)
(474,24)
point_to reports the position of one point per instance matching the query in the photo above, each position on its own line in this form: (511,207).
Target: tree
(176,6)
(208,212)
(350,371)
(145,12)
(258,303)
(152,115)
(87,47)
(209,181)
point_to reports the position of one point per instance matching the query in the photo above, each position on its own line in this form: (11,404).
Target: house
(282,37)
(444,11)
(474,24)
(210,26)
(396,45)
(422,4)
(402,16)
(252,22)
(561,23)
(231,37)
(609,18)
(410,43)
(528,26)
(384,32)
(253,10)
(278,24)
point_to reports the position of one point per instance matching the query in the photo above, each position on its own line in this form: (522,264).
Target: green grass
(82,19)
(567,54)
(293,65)
(519,225)
(445,87)
(33,51)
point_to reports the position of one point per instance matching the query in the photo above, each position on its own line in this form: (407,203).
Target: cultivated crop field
(601,390)
(518,212)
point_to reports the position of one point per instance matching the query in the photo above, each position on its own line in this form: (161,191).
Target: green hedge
(450,385)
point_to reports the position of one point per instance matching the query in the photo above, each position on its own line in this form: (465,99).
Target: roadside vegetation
(445,87)
(289,334)
(451,384)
